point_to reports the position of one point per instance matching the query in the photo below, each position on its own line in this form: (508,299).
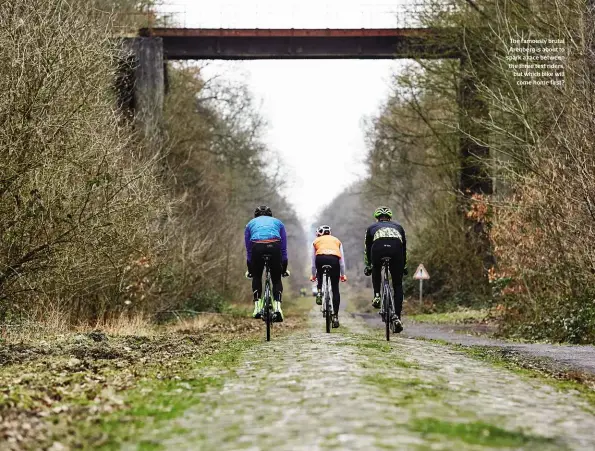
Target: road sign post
(421,274)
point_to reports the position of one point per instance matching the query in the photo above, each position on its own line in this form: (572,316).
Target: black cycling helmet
(263,210)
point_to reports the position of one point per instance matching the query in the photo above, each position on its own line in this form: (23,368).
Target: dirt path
(352,390)
(578,357)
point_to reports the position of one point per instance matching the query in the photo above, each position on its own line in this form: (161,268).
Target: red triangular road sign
(421,273)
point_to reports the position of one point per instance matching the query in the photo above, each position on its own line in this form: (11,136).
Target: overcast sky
(314,108)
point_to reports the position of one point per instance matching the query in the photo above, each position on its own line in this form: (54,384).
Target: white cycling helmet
(323,230)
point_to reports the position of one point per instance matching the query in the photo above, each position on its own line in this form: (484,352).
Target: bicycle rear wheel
(268,309)
(268,318)
(328,317)
(387,309)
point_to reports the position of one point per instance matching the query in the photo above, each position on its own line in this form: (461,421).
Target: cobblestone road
(351,390)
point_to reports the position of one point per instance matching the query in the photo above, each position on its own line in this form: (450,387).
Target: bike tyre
(327,304)
(387,312)
(328,317)
(268,318)
(268,310)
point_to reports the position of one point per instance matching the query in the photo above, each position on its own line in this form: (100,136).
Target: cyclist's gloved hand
(248,275)
(368,270)
(249,265)
(343,278)
(312,278)
(284,271)
(405,271)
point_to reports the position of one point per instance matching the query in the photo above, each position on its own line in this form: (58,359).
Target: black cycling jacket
(384,230)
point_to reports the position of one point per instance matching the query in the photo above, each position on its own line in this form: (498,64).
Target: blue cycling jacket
(265,228)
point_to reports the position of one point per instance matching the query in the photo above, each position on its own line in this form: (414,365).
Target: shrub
(78,197)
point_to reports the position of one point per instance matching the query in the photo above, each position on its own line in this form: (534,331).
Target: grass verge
(456,317)
(94,389)
(158,399)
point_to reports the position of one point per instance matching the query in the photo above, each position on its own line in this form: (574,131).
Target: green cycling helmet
(383,211)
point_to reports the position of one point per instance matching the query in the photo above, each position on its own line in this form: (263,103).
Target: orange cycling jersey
(327,245)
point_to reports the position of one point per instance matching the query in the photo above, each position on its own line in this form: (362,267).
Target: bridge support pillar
(474,153)
(474,177)
(141,83)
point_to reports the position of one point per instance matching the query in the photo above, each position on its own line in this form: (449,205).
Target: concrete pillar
(475,175)
(147,78)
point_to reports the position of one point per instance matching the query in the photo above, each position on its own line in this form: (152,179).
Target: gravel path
(352,390)
(578,357)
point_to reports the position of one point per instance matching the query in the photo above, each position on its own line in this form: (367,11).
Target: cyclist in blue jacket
(266,235)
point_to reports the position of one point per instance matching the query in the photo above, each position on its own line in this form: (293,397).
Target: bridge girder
(156,44)
(251,44)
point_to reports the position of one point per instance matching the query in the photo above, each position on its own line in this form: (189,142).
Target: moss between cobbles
(410,390)
(154,401)
(148,445)
(543,369)
(52,388)
(394,362)
(477,433)
(387,383)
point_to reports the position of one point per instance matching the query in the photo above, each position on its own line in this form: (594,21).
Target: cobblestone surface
(352,390)
(577,357)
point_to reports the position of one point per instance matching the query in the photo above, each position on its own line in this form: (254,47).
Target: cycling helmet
(383,211)
(263,210)
(323,230)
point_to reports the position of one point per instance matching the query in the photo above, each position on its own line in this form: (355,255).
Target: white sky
(314,108)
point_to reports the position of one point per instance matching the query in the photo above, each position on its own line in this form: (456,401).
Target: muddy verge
(53,383)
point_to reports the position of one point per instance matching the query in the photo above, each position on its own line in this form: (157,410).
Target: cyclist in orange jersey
(328,250)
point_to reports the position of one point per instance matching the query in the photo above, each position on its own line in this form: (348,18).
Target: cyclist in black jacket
(386,238)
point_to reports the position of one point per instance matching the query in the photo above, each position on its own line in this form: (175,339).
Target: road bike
(327,305)
(387,310)
(268,311)
(267,308)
